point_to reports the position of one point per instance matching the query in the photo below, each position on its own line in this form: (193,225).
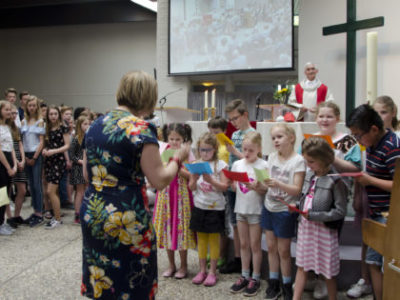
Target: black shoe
(18,220)
(287,291)
(35,221)
(239,285)
(12,223)
(252,288)
(273,291)
(28,220)
(234,266)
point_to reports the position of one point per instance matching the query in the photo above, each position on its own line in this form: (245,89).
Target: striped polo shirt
(381,162)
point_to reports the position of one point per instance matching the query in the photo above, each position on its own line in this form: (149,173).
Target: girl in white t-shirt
(248,213)
(286,170)
(208,214)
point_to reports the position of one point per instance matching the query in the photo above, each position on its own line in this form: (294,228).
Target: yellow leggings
(205,240)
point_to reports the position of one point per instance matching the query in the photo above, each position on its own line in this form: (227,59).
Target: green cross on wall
(350,28)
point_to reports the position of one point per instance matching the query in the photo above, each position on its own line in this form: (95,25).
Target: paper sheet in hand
(261,174)
(223,139)
(347,174)
(199,168)
(167,154)
(325,137)
(236,176)
(291,206)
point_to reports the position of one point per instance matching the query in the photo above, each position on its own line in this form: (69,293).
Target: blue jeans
(62,186)
(35,182)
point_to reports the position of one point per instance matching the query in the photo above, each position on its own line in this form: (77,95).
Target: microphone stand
(258,99)
(163,100)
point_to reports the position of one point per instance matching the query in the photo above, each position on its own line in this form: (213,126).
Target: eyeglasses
(358,137)
(234,118)
(206,150)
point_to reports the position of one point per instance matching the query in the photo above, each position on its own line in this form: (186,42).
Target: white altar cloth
(264,128)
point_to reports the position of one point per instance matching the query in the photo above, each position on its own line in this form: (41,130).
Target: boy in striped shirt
(383,148)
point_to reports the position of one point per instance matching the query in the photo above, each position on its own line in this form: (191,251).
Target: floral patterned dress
(119,250)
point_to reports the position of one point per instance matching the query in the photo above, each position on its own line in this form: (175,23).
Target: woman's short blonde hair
(138,91)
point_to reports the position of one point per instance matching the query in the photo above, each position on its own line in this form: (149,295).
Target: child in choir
(346,148)
(76,154)
(323,204)
(56,143)
(286,170)
(208,215)
(248,208)
(8,160)
(173,207)
(387,110)
(20,179)
(33,131)
(215,126)
(383,148)
(238,115)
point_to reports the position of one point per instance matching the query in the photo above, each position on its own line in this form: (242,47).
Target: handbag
(4,200)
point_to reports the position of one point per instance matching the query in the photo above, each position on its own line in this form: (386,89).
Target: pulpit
(175,114)
(385,239)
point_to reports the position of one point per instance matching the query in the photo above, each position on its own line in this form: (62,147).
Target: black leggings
(2,214)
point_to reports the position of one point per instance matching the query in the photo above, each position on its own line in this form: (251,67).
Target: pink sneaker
(199,278)
(211,280)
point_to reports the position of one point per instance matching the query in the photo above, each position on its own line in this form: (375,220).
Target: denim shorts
(283,223)
(372,257)
(231,206)
(250,219)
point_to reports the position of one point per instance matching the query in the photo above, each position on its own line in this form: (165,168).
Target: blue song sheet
(199,168)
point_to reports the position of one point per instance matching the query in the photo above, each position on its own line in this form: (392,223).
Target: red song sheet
(291,207)
(236,176)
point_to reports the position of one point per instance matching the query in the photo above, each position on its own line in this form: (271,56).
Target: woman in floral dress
(119,250)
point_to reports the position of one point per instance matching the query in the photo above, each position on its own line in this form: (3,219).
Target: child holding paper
(323,202)
(248,213)
(172,209)
(208,214)
(286,169)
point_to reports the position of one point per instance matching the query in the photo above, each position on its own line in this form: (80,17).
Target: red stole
(321,93)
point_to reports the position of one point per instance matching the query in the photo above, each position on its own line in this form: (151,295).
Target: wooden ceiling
(33,13)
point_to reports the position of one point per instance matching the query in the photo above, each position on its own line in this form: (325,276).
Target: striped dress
(317,245)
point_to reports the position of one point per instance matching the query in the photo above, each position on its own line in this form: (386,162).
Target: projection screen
(218,36)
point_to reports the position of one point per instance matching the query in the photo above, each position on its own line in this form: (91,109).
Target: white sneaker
(4,230)
(9,227)
(320,290)
(53,224)
(359,289)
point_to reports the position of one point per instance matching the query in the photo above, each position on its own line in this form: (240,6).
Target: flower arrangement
(281,95)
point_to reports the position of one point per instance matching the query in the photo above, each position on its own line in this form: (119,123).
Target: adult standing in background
(119,246)
(309,93)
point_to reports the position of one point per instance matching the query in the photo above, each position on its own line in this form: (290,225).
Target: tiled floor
(39,264)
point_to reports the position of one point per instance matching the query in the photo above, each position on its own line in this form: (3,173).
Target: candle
(206,99)
(213,98)
(279,87)
(372,62)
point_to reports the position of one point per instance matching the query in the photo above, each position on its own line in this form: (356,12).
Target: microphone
(163,99)
(258,101)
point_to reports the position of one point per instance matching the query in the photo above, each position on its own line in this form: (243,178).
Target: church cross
(350,27)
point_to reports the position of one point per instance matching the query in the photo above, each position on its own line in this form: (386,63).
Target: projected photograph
(217,36)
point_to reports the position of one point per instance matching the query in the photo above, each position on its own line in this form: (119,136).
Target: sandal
(181,274)
(47,214)
(168,273)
